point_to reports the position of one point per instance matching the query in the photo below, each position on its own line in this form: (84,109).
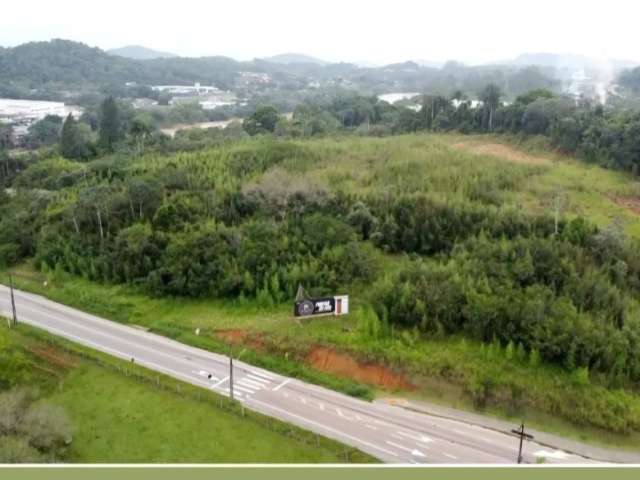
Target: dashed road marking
(264,375)
(282,385)
(258,379)
(413,451)
(421,438)
(216,385)
(243,389)
(250,383)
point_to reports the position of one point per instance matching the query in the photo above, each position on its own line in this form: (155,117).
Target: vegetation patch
(502,151)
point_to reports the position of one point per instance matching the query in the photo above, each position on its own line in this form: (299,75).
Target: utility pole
(522,435)
(13,301)
(231,375)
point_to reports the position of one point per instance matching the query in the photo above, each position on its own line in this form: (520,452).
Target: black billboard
(315,306)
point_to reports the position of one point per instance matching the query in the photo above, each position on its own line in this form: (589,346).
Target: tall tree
(75,140)
(490,96)
(110,129)
(263,120)
(140,132)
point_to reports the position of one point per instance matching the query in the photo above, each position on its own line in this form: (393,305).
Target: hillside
(138,52)
(496,276)
(74,72)
(62,69)
(287,58)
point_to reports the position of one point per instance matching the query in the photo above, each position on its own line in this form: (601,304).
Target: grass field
(523,174)
(451,371)
(118,419)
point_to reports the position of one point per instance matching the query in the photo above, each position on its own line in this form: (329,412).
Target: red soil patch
(241,337)
(54,356)
(232,336)
(330,361)
(630,203)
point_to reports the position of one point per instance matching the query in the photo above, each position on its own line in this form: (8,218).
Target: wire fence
(164,383)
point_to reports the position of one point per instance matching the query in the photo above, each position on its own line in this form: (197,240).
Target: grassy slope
(124,421)
(117,419)
(442,369)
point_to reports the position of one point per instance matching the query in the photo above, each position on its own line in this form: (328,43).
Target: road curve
(390,433)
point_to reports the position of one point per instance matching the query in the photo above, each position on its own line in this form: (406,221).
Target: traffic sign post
(522,435)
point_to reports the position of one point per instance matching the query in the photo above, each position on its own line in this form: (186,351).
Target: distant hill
(59,68)
(289,58)
(138,52)
(568,61)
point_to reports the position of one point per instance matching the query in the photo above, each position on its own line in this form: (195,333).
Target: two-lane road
(389,433)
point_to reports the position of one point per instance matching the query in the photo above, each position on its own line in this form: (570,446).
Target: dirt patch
(235,336)
(501,151)
(242,337)
(630,203)
(330,361)
(54,356)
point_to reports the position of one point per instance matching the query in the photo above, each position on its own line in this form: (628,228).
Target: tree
(5,136)
(45,132)
(490,97)
(140,132)
(110,128)
(75,140)
(263,120)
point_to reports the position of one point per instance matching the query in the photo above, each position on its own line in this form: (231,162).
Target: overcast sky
(371,30)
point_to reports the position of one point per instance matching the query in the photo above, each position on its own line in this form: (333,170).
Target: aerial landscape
(240,254)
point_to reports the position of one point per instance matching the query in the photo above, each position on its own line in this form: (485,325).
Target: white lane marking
(303,400)
(281,385)
(370,427)
(342,415)
(251,384)
(262,374)
(412,451)
(243,389)
(258,379)
(558,454)
(421,438)
(229,391)
(205,374)
(286,395)
(452,457)
(220,382)
(324,427)
(381,423)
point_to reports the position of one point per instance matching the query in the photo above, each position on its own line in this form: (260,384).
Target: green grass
(443,369)
(122,421)
(436,164)
(119,418)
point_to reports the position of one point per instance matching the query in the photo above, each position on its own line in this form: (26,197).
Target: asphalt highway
(390,433)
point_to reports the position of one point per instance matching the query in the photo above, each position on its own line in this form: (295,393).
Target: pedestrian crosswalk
(246,383)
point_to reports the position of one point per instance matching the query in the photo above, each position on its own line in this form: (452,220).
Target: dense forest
(235,213)
(552,288)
